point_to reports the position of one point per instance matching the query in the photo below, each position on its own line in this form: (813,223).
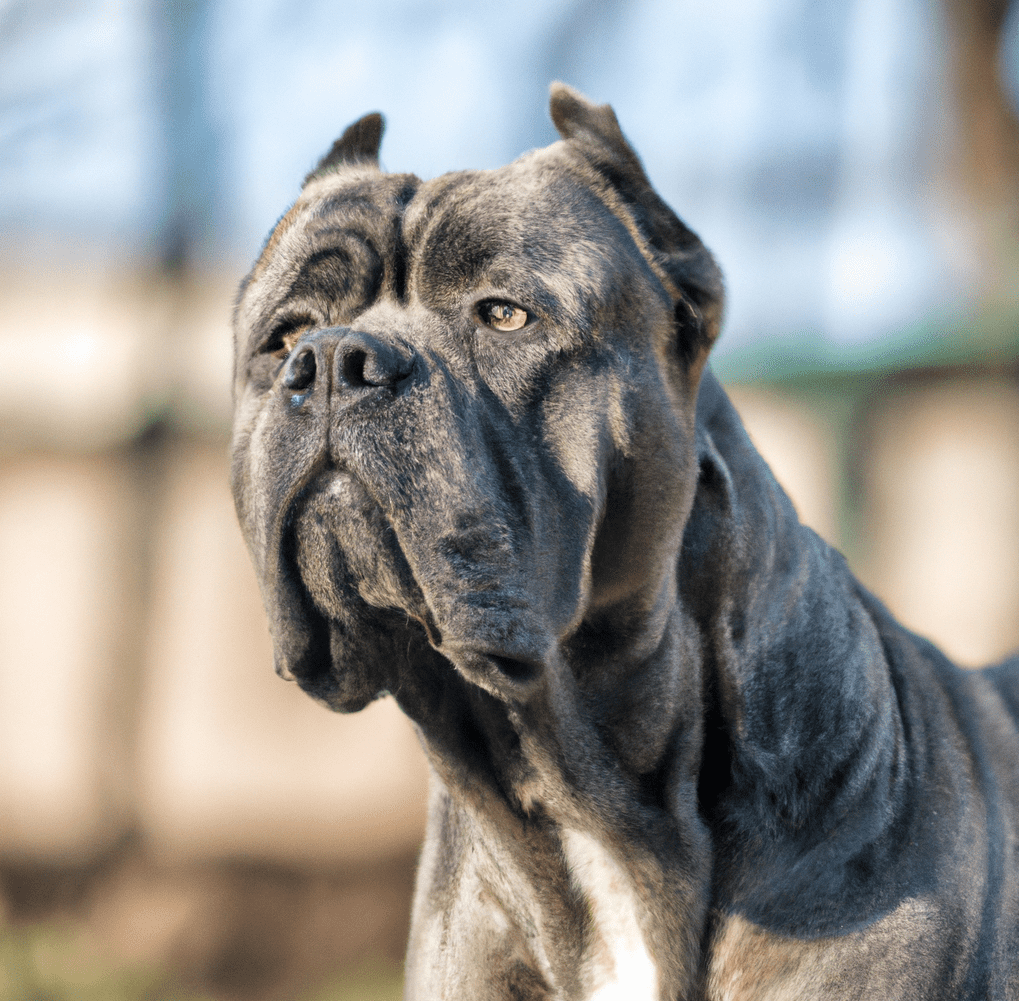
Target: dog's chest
(879,963)
(618,966)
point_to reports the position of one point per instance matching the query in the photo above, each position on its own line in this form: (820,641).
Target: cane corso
(676,750)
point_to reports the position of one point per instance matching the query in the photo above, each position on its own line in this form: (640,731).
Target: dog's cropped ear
(698,292)
(358,144)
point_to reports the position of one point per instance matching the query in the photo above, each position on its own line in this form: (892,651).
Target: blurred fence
(165,791)
(158,784)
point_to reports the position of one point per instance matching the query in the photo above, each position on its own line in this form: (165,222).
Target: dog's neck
(674,761)
(579,807)
(802,725)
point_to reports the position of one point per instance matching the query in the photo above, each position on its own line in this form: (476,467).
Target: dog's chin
(362,661)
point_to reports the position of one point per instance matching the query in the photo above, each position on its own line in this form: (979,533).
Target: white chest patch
(618,965)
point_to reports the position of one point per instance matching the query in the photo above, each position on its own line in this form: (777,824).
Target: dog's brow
(400,258)
(431,197)
(350,268)
(345,202)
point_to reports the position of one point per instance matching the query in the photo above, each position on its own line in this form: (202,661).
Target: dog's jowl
(676,750)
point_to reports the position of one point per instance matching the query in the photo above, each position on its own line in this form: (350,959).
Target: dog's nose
(363,361)
(359,361)
(300,369)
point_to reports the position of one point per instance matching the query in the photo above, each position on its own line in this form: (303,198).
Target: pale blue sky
(803,139)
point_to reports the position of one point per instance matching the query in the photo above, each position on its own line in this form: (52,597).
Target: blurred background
(175,823)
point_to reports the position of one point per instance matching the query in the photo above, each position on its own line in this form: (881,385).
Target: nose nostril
(300,371)
(364,361)
(353,367)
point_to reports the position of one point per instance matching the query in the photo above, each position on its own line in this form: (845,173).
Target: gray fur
(646,693)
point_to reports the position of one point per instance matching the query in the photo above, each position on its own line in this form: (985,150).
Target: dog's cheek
(649,496)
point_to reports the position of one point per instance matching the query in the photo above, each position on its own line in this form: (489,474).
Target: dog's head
(464,409)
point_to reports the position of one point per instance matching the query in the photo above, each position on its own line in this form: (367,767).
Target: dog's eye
(503,316)
(285,336)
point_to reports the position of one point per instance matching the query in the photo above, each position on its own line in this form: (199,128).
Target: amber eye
(503,316)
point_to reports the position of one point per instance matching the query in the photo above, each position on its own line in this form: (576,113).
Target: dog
(676,749)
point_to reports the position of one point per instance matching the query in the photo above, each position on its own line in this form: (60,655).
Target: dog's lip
(281,667)
(494,638)
(331,477)
(503,672)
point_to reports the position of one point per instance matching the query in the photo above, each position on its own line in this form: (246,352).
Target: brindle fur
(666,726)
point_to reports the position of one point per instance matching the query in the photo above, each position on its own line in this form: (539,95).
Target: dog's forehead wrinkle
(488,227)
(279,271)
(341,277)
(351,202)
(431,197)
(365,203)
